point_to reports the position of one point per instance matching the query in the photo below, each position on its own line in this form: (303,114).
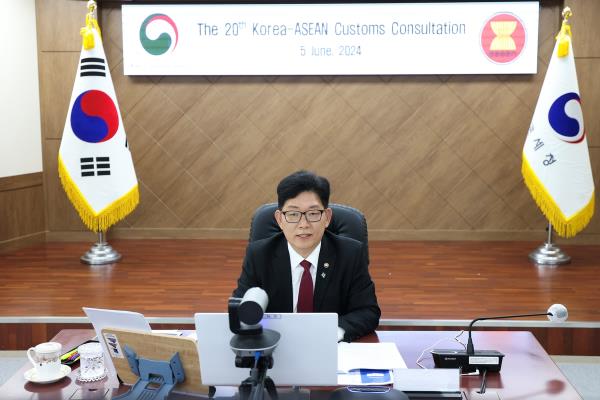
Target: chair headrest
(347,221)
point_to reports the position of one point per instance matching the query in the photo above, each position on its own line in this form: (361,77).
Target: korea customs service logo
(153,37)
(566,118)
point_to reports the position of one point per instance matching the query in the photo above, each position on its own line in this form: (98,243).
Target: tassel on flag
(94,161)
(556,163)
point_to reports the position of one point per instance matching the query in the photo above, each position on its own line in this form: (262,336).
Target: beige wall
(20,145)
(21,190)
(425,157)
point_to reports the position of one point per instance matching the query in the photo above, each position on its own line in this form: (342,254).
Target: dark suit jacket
(346,289)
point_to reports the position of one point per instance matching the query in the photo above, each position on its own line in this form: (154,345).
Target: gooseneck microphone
(470,360)
(556,313)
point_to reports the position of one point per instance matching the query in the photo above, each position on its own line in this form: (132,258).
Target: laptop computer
(306,353)
(104,318)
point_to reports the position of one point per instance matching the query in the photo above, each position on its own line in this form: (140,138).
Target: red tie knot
(305,264)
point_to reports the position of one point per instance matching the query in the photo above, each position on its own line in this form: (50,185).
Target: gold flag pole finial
(564,36)
(91,6)
(91,23)
(566,13)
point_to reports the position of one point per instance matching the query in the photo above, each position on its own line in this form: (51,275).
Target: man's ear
(279,218)
(328,216)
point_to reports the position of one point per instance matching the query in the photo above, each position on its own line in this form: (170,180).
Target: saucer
(31,375)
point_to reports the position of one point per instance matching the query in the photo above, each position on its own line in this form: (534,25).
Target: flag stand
(101,253)
(549,253)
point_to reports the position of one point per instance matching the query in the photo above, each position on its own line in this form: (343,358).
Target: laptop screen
(306,353)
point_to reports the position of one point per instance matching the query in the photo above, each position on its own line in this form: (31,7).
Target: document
(368,363)
(368,356)
(441,380)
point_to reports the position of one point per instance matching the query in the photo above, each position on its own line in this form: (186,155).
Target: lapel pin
(323,275)
(326,265)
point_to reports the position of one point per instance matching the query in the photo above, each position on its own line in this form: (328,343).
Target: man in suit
(305,268)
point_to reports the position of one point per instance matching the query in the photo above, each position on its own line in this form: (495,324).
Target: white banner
(331,39)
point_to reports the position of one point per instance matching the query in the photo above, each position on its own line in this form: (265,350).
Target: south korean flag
(94,161)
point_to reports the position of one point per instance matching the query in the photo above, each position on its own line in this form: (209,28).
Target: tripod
(252,388)
(255,351)
(253,346)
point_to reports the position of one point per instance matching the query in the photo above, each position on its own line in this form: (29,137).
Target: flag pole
(101,252)
(549,253)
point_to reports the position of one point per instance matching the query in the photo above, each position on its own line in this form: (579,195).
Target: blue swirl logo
(568,127)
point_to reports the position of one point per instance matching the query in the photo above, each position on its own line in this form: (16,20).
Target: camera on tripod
(253,346)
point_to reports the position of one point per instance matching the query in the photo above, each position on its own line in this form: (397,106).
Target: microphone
(491,360)
(558,313)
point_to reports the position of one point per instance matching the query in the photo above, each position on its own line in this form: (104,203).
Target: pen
(69,354)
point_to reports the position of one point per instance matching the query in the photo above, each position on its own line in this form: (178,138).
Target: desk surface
(527,373)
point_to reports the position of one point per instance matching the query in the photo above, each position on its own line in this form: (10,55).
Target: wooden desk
(527,373)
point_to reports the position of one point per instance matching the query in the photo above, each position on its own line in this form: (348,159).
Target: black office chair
(346,221)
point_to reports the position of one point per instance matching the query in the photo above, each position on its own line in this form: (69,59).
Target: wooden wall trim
(22,241)
(21,181)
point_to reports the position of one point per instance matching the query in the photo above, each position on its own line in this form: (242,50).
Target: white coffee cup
(45,358)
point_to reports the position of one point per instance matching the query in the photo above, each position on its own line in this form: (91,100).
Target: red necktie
(305,294)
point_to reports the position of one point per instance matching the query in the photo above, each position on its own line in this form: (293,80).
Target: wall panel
(585,27)
(21,210)
(422,156)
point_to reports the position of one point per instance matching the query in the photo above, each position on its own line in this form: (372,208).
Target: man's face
(303,235)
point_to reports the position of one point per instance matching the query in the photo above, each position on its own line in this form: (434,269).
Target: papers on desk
(437,383)
(438,380)
(368,356)
(367,363)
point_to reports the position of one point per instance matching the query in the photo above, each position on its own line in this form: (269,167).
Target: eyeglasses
(295,216)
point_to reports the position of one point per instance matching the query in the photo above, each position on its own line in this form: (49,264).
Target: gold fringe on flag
(563,226)
(91,23)
(97,222)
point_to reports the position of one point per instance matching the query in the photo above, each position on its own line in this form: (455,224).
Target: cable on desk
(422,356)
(483,382)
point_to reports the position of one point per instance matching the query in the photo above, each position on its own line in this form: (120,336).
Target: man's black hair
(302,181)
